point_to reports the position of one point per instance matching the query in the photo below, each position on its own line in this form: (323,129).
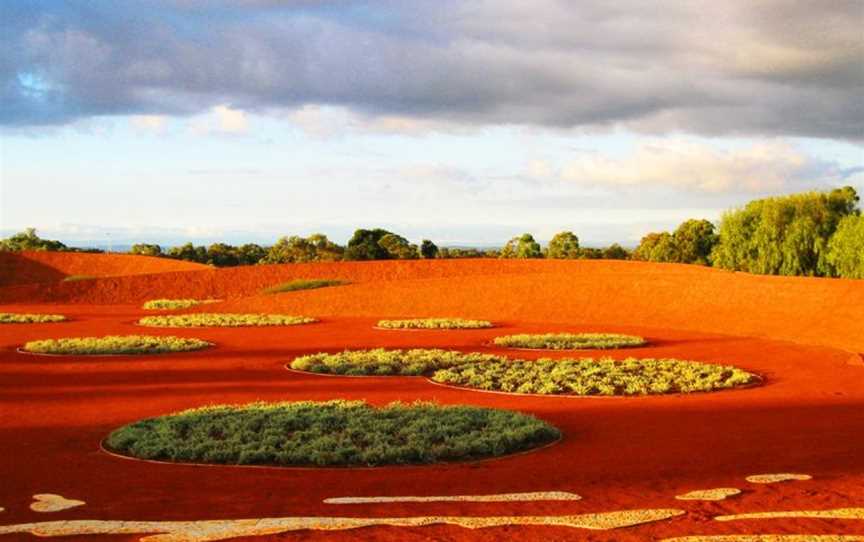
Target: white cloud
(763,167)
(155,124)
(220,119)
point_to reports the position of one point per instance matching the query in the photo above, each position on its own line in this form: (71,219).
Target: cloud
(735,67)
(695,166)
(155,124)
(220,119)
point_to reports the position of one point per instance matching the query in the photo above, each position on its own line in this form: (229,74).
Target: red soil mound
(40,267)
(807,310)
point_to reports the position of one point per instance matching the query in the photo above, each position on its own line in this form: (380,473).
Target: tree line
(807,234)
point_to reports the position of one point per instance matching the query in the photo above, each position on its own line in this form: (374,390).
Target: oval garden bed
(215,319)
(18,318)
(434,323)
(489,372)
(604,377)
(570,341)
(380,361)
(332,433)
(114,345)
(174,304)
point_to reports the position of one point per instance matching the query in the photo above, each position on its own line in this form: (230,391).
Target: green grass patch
(434,323)
(174,304)
(205,319)
(14,318)
(595,377)
(333,433)
(570,341)
(115,344)
(303,284)
(380,361)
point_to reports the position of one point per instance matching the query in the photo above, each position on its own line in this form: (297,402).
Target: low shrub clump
(303,284)
(434,323)
(205,319)
(570,341)
(595,377)
(76,278)
(333,433)
(13,318)
(388,362)
(174,304)
(115,344)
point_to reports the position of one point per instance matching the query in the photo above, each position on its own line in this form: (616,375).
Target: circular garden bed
(114,345)
(570,341)
(582,377)
(434,323)
(205,319)
(332,433)
(174,304)
(16,318)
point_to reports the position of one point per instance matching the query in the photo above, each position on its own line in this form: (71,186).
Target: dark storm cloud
(735,67)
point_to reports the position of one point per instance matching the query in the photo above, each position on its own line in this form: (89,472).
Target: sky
(465,122)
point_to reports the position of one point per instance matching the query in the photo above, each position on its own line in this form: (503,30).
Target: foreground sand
(621,454)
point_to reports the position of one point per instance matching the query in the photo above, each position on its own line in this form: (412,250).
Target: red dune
(39,267)
(801,334)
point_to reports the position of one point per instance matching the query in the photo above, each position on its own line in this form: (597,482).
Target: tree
(523,246)
(657,247)
(295,249)
(615,252)
(564,245)
(846,248)
(28,240)
(786,235)
(144,249)
(189,253)
(363,245)
(428,249)
(222,255)
(398,247)
(694,240)
(250,253)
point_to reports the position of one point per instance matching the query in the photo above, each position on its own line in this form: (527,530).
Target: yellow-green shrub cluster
(174,304)
(205,319)
(387,362)
(434,323)
(570,341)
(15,318)
(115,344)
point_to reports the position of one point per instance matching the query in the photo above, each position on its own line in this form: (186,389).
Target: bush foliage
(387,362)
(523,246)
(595,377)
(434,323)
(295,249)
(16,318)
(303,284)
(692,243)
(215,319)
(115,344)
(787,235)
(846,248)
(570,341)
(333,433)
(174,304)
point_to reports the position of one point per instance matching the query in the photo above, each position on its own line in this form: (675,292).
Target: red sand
(40,267)
(617,453)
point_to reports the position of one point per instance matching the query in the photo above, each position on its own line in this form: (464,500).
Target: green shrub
(333,433)
(387,362)
(174,304)
(434,323)
(570,341)
(215,319)
(76,278)
(522,246)
(13,318)
(846,248)
(592,377)
(303,284)
(115,344)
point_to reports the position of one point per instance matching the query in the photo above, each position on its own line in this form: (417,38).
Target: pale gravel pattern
(716,494)
(836,513)
(215,530)
(774,478)
(498,497)
(768,538)
(49,502)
